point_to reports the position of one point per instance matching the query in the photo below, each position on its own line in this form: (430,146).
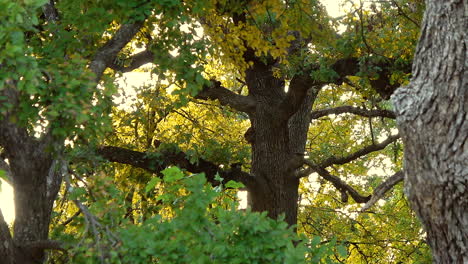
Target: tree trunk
(33,208)
(36,183)
(277,145)
(433,121)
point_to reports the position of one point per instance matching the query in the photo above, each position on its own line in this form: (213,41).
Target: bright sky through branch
(6,202)
(333,7)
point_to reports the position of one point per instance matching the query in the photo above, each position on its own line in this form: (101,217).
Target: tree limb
(160,161)
(44,244)
(344,188)
(383,188)
(297,91)
(382,85)
(136,61)
(343,67)
(355,155)
(107,53)
(301,83)
(403,13)
(226,97)
(14,138)
(352,110)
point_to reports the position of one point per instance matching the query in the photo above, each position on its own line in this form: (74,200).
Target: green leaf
(172,174)
(77,193)
(234,185)
(218,177)
(315,241)
(3,175)
(342,251)
(151,184)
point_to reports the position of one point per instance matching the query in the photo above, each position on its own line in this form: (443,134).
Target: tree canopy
(274,98)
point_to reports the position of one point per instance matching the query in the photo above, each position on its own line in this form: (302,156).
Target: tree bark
(276,144)
(35,183)
(432,116)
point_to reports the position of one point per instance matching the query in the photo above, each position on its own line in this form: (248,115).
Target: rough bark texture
(152,164)
(270,146)
(432,115)
(36,185)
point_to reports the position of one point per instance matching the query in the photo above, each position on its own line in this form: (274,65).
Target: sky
(6,191)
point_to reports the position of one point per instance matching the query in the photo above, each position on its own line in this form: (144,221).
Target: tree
(272,66)
(432,119)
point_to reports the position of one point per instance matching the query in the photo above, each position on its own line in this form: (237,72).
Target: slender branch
(383,188)
(343,187)
(159,161)
(362,152)
(352,110)
(97,229)
(226,97)
(107,53)
(136,61)
(371,130)
(403,13)
(363,37)
(70,219)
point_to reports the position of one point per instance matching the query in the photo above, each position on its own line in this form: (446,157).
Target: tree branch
(403,13)
(352,110)
(344,188)
(301,83)
(107,53)
(382,85)
(355,155)
(160,161)
(297,91)
(44,245)
(226,97)
(383,188)
(14,138)
(136,61)
(343,67)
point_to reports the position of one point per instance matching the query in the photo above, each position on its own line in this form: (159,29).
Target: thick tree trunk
(276,145)
(36,184)
(433,121)
(33,208)
(277,188)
